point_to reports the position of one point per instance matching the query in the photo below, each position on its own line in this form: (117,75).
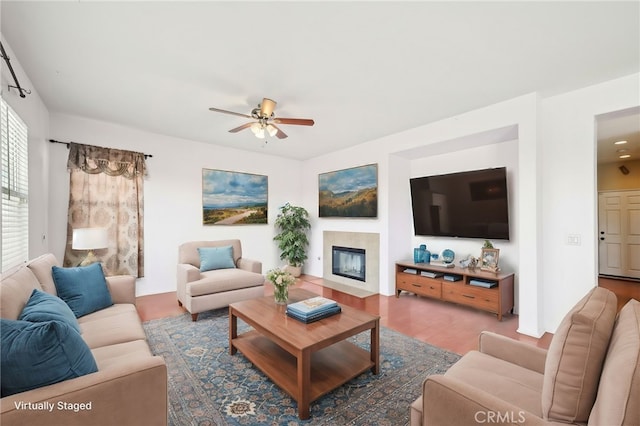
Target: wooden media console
(489,291)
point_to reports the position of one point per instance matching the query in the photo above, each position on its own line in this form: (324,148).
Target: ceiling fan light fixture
(265,120)
(258,130)
(271,129)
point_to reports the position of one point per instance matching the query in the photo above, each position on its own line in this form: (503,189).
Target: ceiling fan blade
(266,107)
(237,129)
(280,134)
(224,111)
(298,121)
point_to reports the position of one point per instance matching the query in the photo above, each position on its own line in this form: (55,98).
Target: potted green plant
(292,224)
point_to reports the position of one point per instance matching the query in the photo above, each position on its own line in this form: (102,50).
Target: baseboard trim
(619,278)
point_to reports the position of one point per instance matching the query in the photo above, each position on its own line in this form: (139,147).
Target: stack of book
(313,309)
(452,277)
(442,264)
(482,283)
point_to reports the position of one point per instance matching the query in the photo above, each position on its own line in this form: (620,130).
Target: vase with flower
(281,280)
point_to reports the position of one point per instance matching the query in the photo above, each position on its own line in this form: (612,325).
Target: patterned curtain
(106,191)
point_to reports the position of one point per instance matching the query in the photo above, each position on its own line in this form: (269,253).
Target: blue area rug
(207,386)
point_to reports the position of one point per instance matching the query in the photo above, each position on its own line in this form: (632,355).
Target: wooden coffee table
(305,360)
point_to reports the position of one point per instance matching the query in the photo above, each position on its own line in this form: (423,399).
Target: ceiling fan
(266,120)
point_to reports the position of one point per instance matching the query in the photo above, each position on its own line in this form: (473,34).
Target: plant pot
(294,270)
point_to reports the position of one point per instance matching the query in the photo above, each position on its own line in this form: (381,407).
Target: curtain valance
(113,162)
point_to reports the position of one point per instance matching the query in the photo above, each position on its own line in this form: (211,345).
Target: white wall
(569,142)
(503,154)
(555,191)
(173,193)
(611,178)
(34,113)
(403,154)
(356,156)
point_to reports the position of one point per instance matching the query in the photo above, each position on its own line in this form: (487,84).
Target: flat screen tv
(467,204)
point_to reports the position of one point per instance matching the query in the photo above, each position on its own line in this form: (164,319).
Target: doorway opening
(618,186)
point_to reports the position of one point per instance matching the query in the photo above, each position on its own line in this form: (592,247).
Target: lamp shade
(89,238)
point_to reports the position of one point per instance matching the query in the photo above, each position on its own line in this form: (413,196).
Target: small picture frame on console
(489,259)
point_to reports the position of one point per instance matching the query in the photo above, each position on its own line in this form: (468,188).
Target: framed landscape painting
(349,192)
(233,198)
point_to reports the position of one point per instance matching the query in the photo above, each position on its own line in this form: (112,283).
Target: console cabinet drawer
(419,285)
(428,287)
(482,298)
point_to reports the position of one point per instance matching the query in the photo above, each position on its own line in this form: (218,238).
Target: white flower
(280,278)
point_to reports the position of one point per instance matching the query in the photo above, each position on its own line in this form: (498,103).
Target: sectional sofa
(128,385)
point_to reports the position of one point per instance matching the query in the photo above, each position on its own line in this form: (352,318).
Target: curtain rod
(17,86)
(67,144)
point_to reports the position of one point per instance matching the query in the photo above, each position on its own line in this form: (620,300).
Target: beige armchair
(589,376)
(200,291)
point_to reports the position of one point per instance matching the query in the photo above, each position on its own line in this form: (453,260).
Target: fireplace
(367,243)
(349,262)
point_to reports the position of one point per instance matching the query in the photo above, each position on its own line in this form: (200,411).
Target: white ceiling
(361,70)
(615,127)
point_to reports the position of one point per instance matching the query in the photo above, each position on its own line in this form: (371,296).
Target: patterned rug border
(208,387)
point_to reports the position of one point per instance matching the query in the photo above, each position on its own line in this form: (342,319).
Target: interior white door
(619,233)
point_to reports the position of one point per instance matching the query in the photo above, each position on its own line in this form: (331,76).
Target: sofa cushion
(83,288)
(212,258)
(116,324)
(619,390)
(509,382)
(222,280)
(575,356)
(40,354)
(120,355)
(43,307)
(41,268)
(15,291)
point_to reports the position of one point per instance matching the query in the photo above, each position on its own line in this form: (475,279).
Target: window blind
(15,188)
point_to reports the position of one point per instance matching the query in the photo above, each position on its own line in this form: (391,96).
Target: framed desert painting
(233,198)
(349,192)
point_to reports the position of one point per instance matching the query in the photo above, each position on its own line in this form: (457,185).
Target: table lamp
(89,239)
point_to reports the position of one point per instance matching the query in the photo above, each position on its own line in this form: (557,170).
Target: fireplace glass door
(349,262)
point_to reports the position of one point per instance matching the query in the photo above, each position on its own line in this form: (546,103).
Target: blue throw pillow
(43,307)
(83,288)
(36,354)
(216,258)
